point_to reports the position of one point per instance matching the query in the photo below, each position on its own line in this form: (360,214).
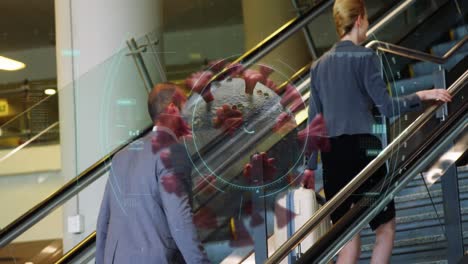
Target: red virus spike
(199,83)
(205,185)
(251,78)
(171,184)
(248,207)
(161,141)
(172,119)
(232,124)
(165,155)
(284,123)
(272,85)
(265,70)
(235,70)
(228,118)
(292,180)
(260,166)
(230,71)
(291,97)
(247,171)
(240,235)
(217,65)
(205,218)
(315,135)
(283,216)
(308,179)
(256,219)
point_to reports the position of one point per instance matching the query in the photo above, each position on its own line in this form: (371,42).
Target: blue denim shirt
(346,83)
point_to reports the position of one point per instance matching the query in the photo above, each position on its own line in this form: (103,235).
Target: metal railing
(29,141)
(416,54)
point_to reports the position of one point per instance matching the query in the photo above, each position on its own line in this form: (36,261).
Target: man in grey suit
(146,214)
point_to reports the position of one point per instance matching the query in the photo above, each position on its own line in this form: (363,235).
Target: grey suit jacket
(141,219)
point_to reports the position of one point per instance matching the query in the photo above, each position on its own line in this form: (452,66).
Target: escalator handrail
(389,17)
(35,214)
(416,54)
(29,141)
(359,179)
(18,115)
(85,178)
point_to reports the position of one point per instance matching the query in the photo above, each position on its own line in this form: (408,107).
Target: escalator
(436,144)
(420,235)
(85,248)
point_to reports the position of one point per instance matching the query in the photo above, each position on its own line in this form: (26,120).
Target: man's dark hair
(159,99)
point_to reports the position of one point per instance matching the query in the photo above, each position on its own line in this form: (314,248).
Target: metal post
(260,234)
(440,82)
(307,33)
(135,52)
(157,59)
(452,215)
(450,192)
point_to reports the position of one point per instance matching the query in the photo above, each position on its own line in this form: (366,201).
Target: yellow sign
(3,107)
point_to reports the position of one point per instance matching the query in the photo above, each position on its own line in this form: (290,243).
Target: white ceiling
(26,24)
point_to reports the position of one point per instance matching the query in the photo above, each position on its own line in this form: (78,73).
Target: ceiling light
(50,91)
(7,64)
(49,249)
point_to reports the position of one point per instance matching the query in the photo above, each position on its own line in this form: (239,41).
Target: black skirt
(348,155)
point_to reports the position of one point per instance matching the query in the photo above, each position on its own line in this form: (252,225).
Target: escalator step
(459,32)
(427,68)
(441,49)
(412,85)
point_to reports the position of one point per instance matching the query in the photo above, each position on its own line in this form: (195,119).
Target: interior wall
(20,192)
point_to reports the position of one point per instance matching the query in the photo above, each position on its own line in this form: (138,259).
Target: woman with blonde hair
(345,85)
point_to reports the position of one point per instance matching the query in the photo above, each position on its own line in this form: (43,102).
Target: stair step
(413,244)
(418,199)
(423,242)
(418,182)
(459,32)
(411,85)
(427,68)
(441,49)
(422,256)
(433,262)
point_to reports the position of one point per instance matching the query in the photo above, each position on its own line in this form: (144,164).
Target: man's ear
(358,21)
(170,108)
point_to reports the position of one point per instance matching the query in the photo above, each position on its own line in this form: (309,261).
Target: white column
(102,99)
